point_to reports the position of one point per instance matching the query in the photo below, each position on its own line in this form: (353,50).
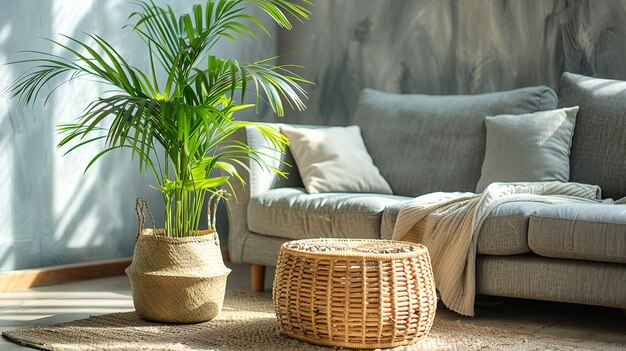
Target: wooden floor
(66,302)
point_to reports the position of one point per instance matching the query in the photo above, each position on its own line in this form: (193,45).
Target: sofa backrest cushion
(598,154)
(428,143)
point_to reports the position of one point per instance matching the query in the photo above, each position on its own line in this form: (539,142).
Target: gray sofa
(421,144)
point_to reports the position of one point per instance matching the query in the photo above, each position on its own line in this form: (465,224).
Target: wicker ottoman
(354,293)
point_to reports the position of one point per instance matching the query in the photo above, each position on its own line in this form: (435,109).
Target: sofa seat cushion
(504,231)
(594,232)
(292,213)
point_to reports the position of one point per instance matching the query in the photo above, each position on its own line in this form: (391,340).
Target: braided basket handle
(211,212)
(140,205)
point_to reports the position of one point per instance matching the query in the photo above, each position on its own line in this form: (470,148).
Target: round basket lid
(355,247)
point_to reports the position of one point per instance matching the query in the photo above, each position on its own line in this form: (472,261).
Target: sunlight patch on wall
(86,228)
(68,16)
(6,221)
(5,32)
(6,77)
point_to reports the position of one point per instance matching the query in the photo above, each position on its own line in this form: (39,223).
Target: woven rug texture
(248,323)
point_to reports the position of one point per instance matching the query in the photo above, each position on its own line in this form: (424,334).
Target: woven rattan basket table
(354,293)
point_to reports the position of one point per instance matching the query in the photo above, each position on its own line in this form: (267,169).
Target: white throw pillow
(334,159)
(531,147)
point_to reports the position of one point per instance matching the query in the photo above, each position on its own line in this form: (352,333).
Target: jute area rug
(248,323)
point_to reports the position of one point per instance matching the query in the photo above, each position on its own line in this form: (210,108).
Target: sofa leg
(258,277)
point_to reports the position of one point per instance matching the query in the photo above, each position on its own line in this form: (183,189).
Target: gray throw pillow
(334,159)
(528,148)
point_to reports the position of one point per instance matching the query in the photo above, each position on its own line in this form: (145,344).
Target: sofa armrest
(258,181)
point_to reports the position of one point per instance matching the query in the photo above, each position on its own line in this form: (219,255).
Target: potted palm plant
(176,117)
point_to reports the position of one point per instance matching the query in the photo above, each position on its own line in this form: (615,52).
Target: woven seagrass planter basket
(354,293)
(178,280)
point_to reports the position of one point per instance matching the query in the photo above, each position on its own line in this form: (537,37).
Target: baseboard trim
(28,278)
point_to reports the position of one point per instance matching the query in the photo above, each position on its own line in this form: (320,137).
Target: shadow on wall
(450,47)
(53,214)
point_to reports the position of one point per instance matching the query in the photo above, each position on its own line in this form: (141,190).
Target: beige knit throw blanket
(448,225)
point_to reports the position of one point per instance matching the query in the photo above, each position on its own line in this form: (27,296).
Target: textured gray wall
(50,213)
(450,47)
